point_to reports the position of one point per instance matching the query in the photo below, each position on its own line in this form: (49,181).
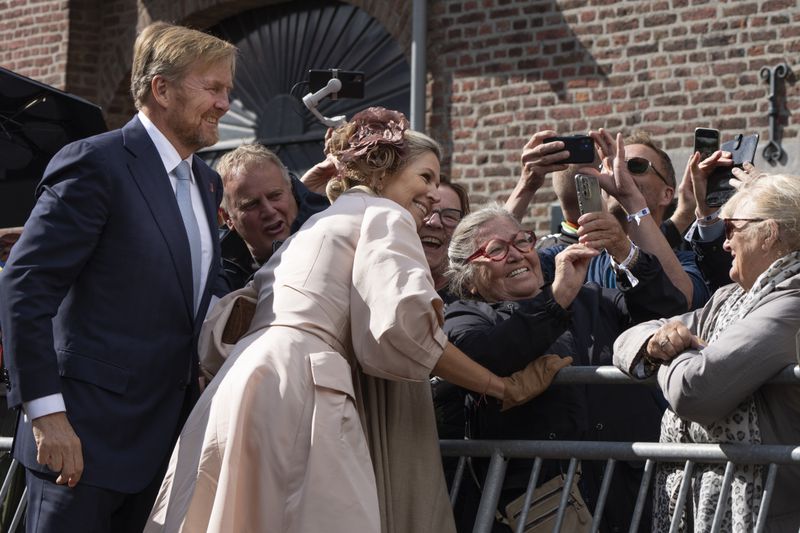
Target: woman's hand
(317,177)
(671,339)
(571,266)
(526,384)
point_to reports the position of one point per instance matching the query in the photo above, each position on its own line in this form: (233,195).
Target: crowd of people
(296,373)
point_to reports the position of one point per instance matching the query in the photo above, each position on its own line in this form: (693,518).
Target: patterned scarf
(740,426)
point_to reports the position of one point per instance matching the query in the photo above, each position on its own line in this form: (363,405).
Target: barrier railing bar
(625,451)
(532,482)
(12,468)
(5,444)
(766,498)
(601,497)
(491,493)
(722,503)
(641,498)
(591,375)
(684,490)
(23,503)
(565,494)
(459,475)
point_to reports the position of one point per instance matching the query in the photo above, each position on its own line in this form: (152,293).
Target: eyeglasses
(639,165)
(497,249)
(449,217)
(731,228)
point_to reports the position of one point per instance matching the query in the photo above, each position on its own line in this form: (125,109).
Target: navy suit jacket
(96,304)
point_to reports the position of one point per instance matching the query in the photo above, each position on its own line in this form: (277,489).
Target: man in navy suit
(104,294)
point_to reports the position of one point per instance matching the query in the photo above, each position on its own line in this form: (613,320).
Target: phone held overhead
(743,149)
(580,148)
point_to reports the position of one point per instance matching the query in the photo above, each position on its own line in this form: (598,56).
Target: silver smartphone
(589,198)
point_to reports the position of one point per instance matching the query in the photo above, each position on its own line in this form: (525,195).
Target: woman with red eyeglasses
(713,364)
(509,317)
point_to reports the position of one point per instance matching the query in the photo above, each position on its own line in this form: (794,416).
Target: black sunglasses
(640,165)
(731,228)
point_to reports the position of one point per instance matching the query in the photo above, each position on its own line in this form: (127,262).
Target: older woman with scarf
(713,363)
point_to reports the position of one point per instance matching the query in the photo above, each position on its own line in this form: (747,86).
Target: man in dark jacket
(262,205)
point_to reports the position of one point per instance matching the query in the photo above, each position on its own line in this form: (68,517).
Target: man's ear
(159,89)
(667,196)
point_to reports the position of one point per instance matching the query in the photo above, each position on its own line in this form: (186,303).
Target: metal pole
(419,29)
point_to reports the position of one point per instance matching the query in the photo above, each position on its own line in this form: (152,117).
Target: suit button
(182,384)
(552,436)
(599,426)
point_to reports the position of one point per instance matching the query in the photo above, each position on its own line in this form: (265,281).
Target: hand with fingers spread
(58,447)
(619,183)
(670,340)
(606,147)
(742,175)
(570,275)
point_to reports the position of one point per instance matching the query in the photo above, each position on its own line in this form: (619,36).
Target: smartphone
(581,148)
(706,141)
(589,198)
(743,148)
(352,82)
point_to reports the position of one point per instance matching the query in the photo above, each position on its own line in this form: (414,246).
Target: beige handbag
(544,509)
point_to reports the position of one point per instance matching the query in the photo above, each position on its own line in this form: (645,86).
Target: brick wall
(34,39)
(499,70)
(503,69)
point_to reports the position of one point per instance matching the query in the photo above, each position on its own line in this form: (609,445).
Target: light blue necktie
(183,194)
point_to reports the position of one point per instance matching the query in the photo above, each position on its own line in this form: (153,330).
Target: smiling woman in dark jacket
(508,317)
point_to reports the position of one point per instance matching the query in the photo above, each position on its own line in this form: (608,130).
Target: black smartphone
(581,148)
(352,82)
(588,190)
(743,148)
(706,141)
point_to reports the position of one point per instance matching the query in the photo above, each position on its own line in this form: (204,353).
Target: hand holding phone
(743,150)
(580,148)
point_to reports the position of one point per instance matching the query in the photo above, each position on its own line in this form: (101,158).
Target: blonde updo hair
(371,154)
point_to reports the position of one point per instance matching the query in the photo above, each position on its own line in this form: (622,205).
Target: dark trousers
(86,509)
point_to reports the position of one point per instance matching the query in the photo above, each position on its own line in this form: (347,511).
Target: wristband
(626,266)
(704,221)
(638,216)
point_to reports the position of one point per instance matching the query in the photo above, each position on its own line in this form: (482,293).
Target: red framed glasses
(497,249)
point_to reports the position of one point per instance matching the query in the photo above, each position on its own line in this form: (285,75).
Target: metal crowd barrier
(499,452)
